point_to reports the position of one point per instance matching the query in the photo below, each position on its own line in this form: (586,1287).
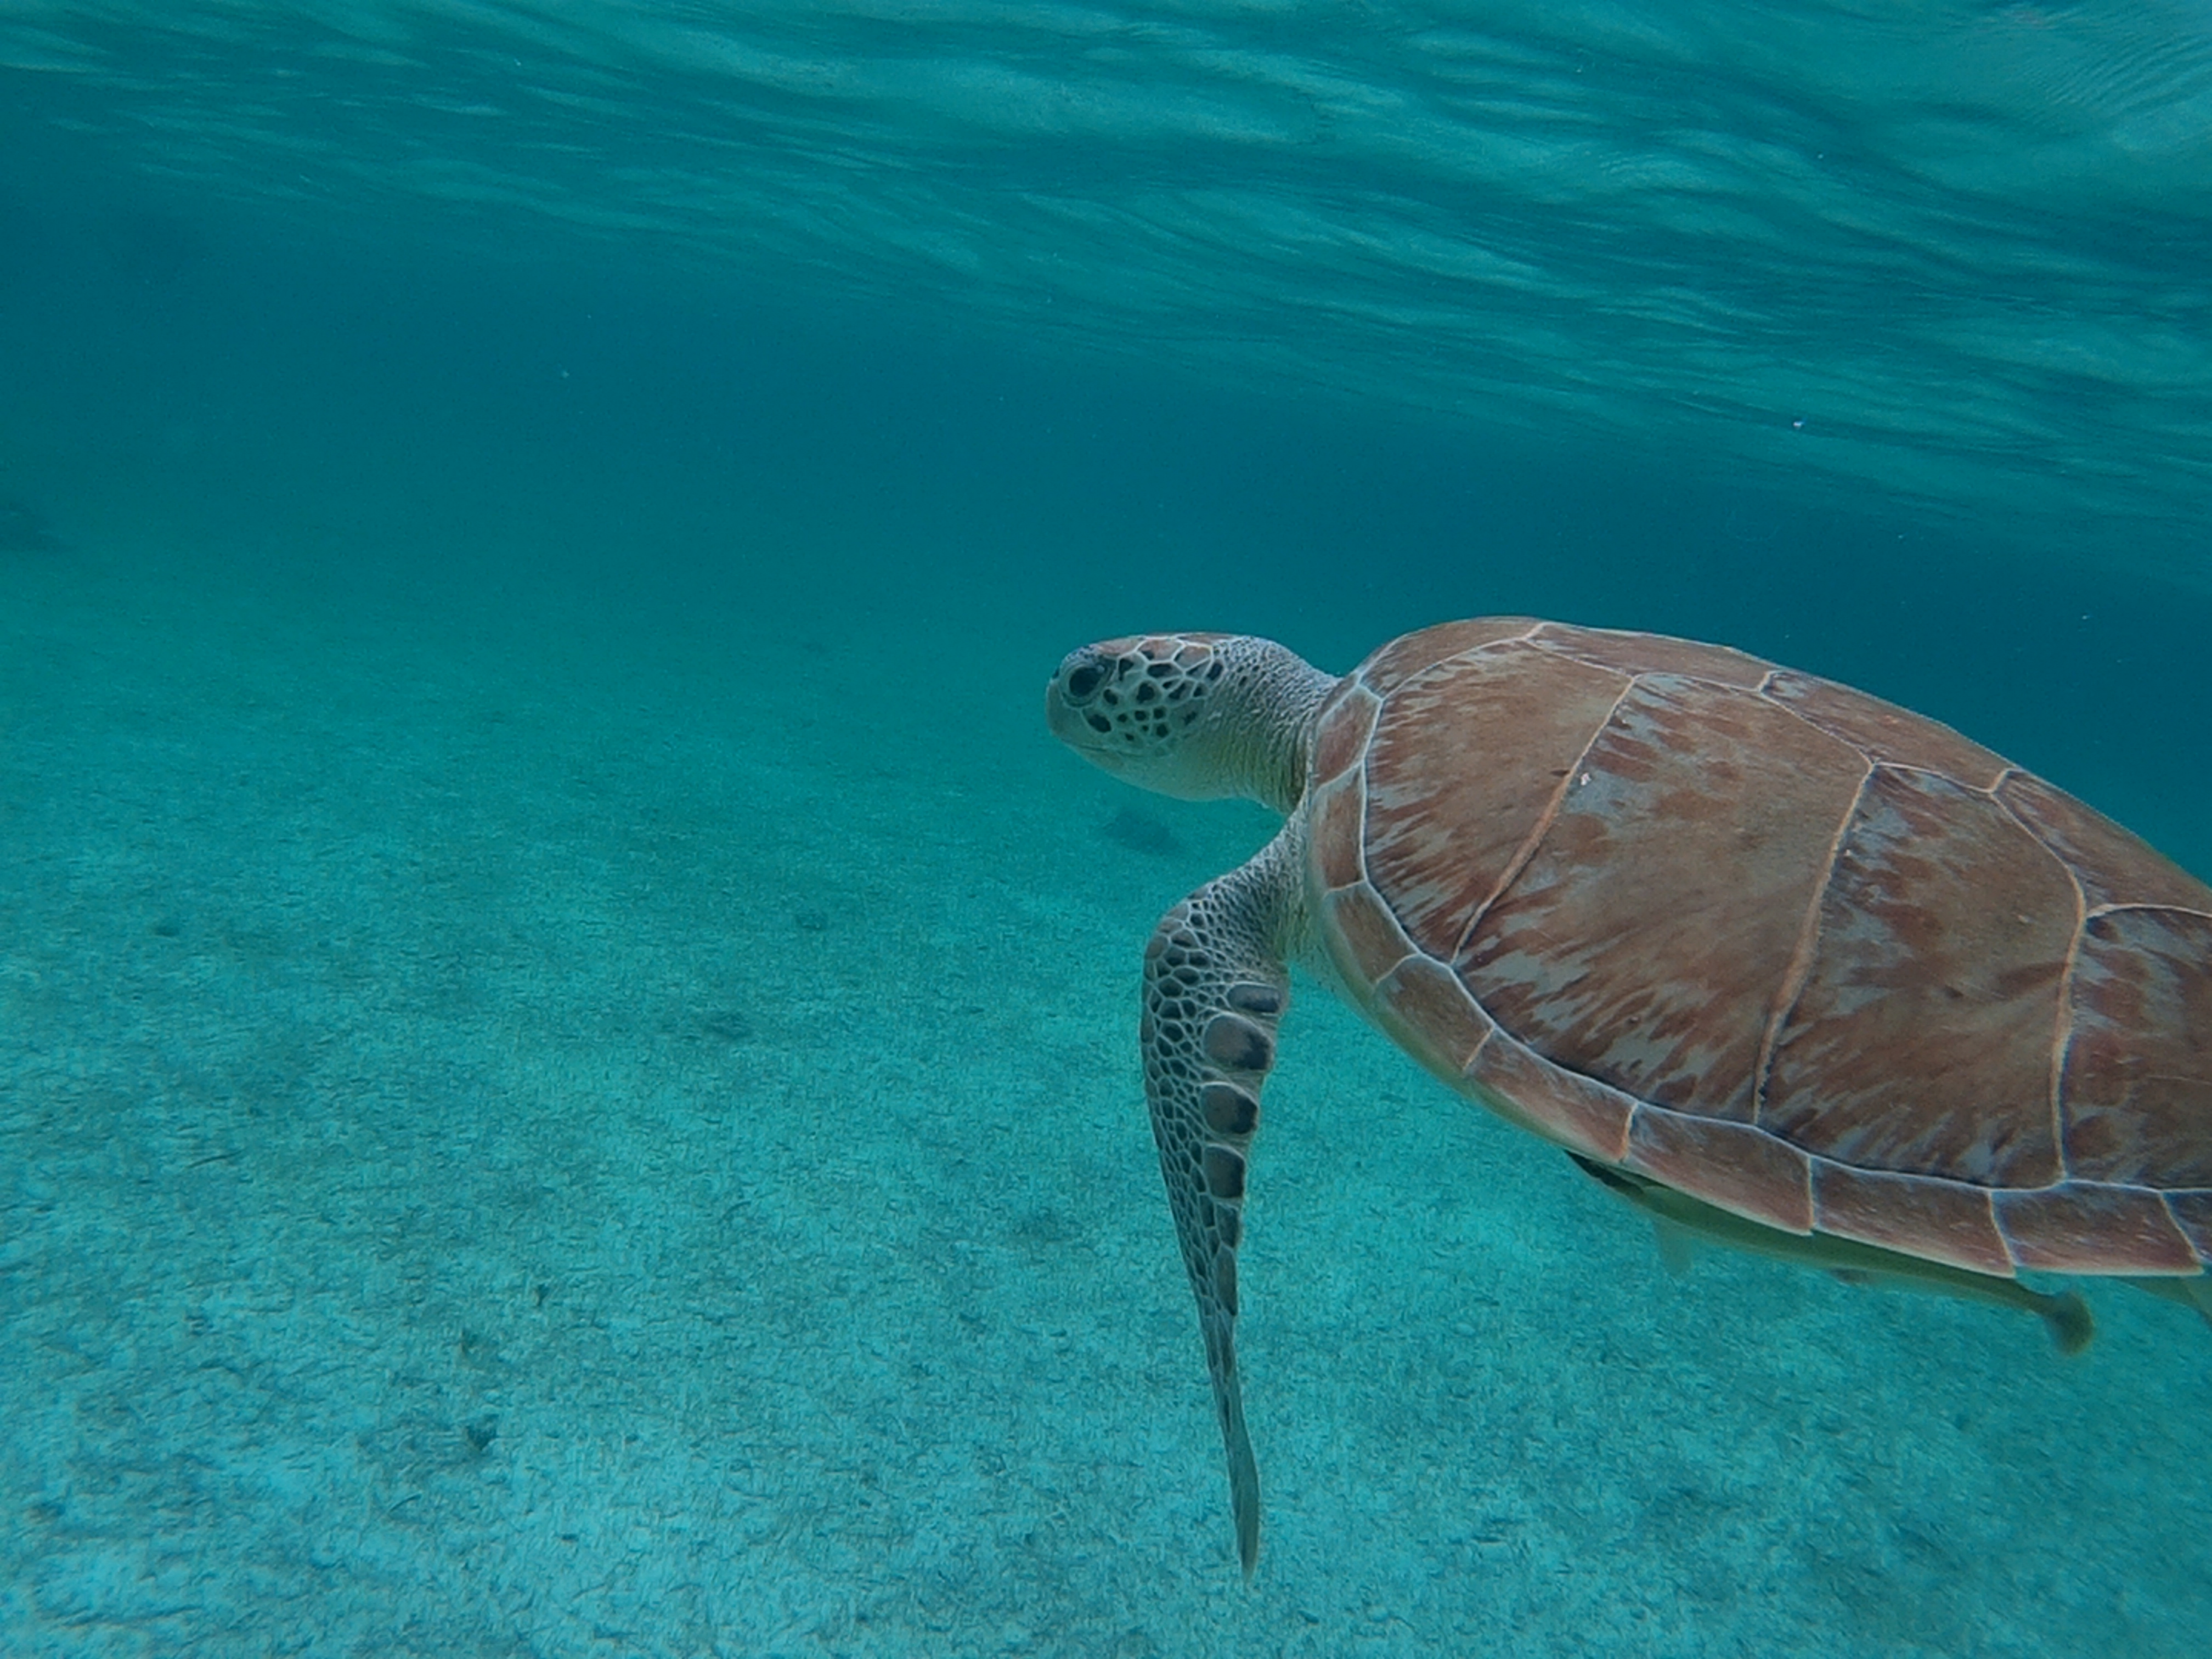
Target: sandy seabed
(542,1127)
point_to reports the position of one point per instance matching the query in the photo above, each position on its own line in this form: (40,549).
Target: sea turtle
(1783,964)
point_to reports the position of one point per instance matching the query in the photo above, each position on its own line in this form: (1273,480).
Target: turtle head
(1200,716)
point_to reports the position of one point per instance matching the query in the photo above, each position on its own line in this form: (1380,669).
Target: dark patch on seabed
(23,529)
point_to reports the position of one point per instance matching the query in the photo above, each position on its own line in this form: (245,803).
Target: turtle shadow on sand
(1141,832)
(23,529)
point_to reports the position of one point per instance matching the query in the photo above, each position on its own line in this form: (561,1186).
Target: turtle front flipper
(1215,985)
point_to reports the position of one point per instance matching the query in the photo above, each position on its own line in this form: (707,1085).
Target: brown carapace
(1816,961)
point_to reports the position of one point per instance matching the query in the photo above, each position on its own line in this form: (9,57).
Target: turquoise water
(566,1039)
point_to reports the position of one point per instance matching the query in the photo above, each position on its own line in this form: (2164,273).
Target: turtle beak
(1074,682)
(1065,718)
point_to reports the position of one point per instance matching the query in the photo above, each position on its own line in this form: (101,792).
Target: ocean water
(568,1074)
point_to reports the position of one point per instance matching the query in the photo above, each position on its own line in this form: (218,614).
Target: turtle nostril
(1083,685)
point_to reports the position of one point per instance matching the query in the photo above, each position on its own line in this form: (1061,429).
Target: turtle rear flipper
(2067,1315)
(1849,1263)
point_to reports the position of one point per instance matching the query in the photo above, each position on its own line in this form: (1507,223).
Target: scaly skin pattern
(1216,984)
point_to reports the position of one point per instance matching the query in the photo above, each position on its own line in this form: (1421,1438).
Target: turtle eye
(1083,685)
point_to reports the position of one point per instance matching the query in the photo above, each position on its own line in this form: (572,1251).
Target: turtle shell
(1794,951)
